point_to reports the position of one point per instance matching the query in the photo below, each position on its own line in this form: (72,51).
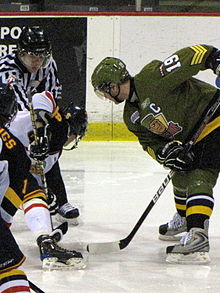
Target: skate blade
(192,258)
(52,263)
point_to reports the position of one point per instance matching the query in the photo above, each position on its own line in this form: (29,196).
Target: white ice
(112,183)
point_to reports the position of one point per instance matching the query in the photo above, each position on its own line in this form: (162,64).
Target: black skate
(55,257)
(68,213)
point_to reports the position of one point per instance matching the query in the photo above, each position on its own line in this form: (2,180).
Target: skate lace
(176,222)
(60,248)
(67,207)
(186,238)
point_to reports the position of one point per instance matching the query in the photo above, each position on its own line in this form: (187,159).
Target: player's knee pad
(199,187)
(196,181)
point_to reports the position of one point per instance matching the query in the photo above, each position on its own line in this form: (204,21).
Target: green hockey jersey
(169,100)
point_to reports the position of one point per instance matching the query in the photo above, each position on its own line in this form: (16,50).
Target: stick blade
(105,247)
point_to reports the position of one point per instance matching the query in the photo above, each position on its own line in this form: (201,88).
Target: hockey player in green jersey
(164,104)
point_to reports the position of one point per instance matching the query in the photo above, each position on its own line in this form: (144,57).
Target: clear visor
(30,59)
(100,94)
(105,95)
(45,54)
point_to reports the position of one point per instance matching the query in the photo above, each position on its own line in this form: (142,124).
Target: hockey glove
(38,150)
(173,156)
(52,202)
(213,61)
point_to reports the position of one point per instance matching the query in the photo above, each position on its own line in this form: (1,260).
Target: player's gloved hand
(52,202)
(39,150)
(213,61)
(173,156)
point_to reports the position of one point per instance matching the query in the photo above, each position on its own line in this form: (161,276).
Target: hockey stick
(39,164)
(62,228)
(35,288)
(105,247)
(40,168)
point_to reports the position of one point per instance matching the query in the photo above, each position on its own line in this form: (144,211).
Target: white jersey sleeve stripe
(50,97)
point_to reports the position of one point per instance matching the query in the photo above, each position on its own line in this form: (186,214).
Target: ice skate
(68,213)
(171,230)
(193,248)
(56,258)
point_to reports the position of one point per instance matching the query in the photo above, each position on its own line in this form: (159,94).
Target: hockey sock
(37,216)
(180,202)
(14,281)
(199,209)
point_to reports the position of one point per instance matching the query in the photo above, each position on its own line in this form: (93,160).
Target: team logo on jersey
(159,125)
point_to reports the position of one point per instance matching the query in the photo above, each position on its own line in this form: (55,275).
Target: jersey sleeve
(44,101)
(7,74)
(184,64)
(174,70)
(51,82)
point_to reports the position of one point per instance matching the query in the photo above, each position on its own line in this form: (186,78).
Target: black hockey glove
(52,202)
(213,61)
(39,150)
(173,156)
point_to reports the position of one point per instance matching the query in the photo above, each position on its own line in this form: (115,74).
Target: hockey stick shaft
(39,164)
(35,288)
(114,246)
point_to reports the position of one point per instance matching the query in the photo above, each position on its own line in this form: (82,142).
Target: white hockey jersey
(22,124)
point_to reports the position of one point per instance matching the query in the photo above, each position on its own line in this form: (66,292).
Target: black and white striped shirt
(45,79)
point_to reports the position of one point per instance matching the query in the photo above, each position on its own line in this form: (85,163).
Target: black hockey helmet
(77,120)
(35,42)
(8,104)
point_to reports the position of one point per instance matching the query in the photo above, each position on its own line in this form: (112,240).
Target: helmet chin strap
(116,97)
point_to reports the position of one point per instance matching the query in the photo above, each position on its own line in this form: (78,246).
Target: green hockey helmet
(109,70)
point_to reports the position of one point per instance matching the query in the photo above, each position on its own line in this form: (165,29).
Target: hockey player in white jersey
(33,65)
(25,192)
(55,128)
